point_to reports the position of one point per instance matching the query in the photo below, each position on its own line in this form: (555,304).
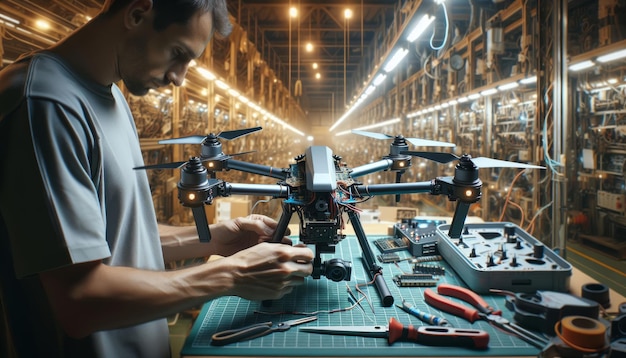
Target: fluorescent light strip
(205,73)
(221,84)
(395,59)
(379,79)
(527,80)
(612,56)
(10,19)
(508,86)
(420,27)
(371,126)
(243,99)
(489,91)
(581,65)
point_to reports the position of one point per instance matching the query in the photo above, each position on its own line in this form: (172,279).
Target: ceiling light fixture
(420,27)
(395,59)
(612,56)
(10,19)
(581,65)
(371,126)
(379,79)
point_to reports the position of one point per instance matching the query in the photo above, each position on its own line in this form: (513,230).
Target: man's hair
(168,12)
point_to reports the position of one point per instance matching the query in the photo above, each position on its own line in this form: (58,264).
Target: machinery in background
(596,179)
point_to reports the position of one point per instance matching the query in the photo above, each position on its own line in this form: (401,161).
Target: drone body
(320,189)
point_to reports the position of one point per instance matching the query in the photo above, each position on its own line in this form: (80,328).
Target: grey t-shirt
(69,194)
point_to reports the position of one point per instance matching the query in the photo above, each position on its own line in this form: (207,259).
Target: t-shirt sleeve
(52,195)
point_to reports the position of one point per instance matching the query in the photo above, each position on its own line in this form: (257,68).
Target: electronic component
(391,244)
(431,258)
(423,315)
(429,269)
(390,257)
(420,234)
(415,280)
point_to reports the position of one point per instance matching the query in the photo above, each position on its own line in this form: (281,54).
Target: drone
(320,188)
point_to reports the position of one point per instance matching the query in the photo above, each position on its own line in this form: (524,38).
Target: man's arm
(181,243)
(228,237)
(93,296)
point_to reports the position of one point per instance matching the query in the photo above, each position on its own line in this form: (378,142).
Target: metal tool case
(501,255)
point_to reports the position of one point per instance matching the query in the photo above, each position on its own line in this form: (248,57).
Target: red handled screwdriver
(427,335)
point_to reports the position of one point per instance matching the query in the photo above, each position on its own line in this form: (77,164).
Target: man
(80,257)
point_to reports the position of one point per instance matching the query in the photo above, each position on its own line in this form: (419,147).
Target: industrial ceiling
(342,47)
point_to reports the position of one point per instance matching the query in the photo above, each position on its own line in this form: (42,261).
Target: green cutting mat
(324,295)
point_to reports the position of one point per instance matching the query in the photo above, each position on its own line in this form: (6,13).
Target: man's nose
(176,74)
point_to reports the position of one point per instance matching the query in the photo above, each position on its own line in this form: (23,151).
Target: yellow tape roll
(582,333)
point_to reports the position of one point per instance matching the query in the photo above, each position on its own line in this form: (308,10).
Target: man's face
(155,59)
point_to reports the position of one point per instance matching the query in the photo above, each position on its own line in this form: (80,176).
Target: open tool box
(501,255)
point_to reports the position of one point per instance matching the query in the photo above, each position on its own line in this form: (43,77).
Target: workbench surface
(320,296)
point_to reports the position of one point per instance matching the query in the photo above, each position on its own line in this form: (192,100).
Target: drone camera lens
(337,270)
(321,205)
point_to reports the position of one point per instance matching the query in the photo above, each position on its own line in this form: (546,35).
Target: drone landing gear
(458,220)
(283,222)
(202,224)
(336,268)
(373,269)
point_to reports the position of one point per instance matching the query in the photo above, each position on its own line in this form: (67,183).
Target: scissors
(255,330)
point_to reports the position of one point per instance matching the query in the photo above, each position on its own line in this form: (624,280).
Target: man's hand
(256,269)
(267,271)
(231,236)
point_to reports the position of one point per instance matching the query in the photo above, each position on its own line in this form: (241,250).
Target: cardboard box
(227,208)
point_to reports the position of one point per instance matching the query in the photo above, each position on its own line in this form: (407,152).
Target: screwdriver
(424,316)
(427,335)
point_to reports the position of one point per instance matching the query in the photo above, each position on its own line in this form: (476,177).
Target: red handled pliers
(480,311)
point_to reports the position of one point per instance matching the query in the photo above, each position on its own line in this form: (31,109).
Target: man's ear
(136,12)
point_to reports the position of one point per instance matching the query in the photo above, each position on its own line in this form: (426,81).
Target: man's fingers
(300,269)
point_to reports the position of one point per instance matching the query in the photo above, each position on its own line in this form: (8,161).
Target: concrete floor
(602,267)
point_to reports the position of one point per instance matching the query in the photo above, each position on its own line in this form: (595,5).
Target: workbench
(323,295)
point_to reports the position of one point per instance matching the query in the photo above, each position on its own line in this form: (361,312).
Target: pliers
(481,311)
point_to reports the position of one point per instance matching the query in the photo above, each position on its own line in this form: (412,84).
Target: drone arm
(275,190)
(395,188)
(264,170)
(378,166)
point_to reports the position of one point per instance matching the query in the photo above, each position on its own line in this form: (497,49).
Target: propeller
(479,162)
(396,150)
(211,147)
(465,186)
(198,139)
(415,141)
(176,165)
